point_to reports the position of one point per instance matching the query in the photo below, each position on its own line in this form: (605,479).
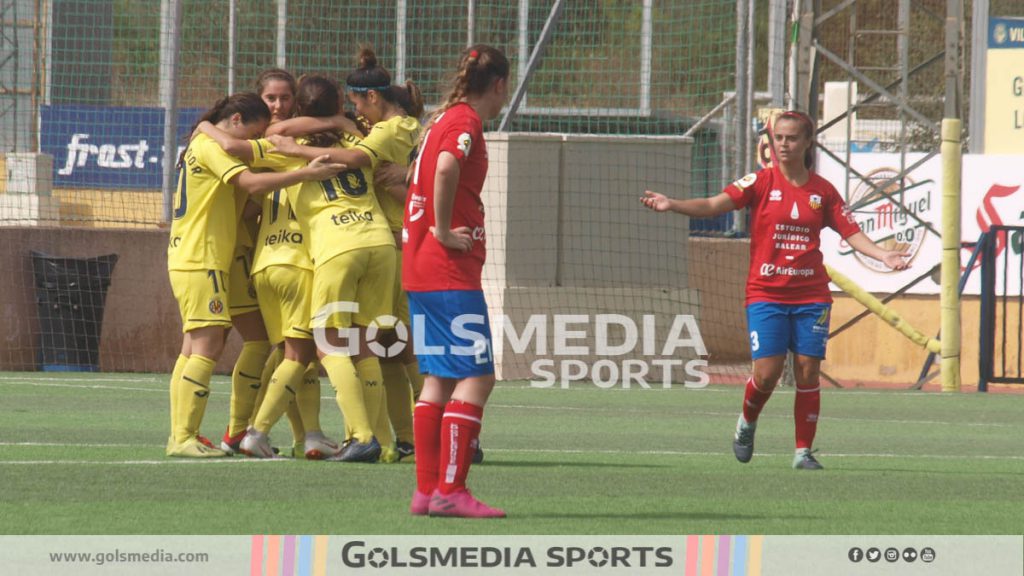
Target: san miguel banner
(993,194)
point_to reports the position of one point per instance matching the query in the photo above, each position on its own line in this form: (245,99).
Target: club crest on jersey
(775,196)
(216,306)
(746,182)
(815,202)
(464,143)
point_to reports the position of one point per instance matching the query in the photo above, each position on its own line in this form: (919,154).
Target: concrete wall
(566,235)
(141,326)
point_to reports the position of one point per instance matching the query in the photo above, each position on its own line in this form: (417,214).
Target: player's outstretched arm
(694,207)
(237,147)
(320,168)
(351,157)
(891,258)
(305,125)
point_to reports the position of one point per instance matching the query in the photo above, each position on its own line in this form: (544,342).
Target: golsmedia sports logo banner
(688,555)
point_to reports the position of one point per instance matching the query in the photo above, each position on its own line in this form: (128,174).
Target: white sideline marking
(163,390)
(172,461)
(490,449)
(733,415)
(771,455)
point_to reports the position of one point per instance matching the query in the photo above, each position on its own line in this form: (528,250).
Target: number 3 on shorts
(754,344)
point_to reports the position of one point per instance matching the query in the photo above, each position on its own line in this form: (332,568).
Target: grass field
(83,454)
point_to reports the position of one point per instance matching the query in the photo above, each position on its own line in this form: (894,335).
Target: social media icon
(909,554)
(892,555)
(874,554)
(855,554)
(927,554)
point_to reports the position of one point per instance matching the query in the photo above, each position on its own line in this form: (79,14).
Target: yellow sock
(246,384)
(349,391)
(307,398)
(275,358)
(295,419)
(193,393)
(179,366)
(412,370)
(280,393)
(376,402)
(399,398)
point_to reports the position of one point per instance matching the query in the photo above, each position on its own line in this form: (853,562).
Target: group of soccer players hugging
(287,226)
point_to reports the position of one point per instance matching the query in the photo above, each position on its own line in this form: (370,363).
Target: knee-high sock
(295,420)
(805,414)
(280,392)
(193,393)
(348,389)
(245,384)
(460,428)
(373,395)
(179,367)
(273,361)
(399,398)
(754,400)
(412,371)
(307,398)
(427,424)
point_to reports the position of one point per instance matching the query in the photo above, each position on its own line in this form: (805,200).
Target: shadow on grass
(547,464)
(663,515)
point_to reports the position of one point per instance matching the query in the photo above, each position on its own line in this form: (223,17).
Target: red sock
(805,413)
(426,424)
(460,428)
(754,400)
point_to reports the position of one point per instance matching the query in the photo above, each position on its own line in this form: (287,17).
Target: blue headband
(364,89)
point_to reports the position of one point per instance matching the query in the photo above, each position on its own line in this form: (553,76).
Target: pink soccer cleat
(420,504)
(461,504)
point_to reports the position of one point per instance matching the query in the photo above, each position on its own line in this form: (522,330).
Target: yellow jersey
(205,217)
(281,239)
(392,140)
(341,214)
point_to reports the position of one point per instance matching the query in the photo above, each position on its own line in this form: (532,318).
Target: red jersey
(786,265)
(428,266)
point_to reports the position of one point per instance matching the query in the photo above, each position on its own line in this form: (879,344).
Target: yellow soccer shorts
(285,293)
(241,291)
(401,304)
(202,297)
(363,277)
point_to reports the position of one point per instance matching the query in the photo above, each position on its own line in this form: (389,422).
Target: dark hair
(479,66)
(408,97)
(807,127)
(368,75)
(318,96)
(248,104)
(272,74)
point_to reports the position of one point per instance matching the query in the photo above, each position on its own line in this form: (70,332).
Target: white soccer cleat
(320,447)
(256,444)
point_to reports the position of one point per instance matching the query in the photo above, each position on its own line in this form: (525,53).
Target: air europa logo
(887,223)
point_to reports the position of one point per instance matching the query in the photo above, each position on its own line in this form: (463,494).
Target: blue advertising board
(108,147)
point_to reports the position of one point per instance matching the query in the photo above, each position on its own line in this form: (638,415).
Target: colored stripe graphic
(320,556)
(707,555)
(273,555)
(754,558)
(256,556)
(739,556)
(692,554)
(723,555)
(288,564)
(305,556)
